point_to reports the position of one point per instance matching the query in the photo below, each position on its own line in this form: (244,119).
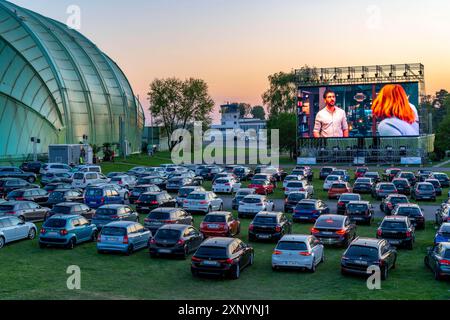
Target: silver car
(126,181)
(254,203)
(298,251)
(13,229)
(203,201)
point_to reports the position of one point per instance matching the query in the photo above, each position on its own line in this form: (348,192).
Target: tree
(286,123)
(244,109)
(442,143)
(258,112)
(176,104)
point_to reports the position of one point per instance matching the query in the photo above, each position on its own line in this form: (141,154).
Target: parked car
(13,229)
(292,177)
(224,174)
(329,180)
(402,185)
(166,215)
(52,177)
(96,196)
(390,173)
(175,239)
(334,229)
(310,210)
(226,185)
(298,251)
(262,187)
(122,191)
(84,179)
(363,185)
(203,201)
(442,177)
(123,236)
(269,226)
(423,191)
(58,185)
(360,211)
(23,210)
(220,224)
(343,174)
(325,171)
(125,181)
(398,230)
(375,176)
(64,195)
(413,212)
(388,204)
(185,191)
(436,184)
(359,172)
(302,174)
(438,260)
(240,194)
(175,184)
(422,175)
(71,208)
(365,252)
(243,173)
(443,233)
(344,199)
(208,173)
(308,172)
(339,188)
(293,199)
(158,181)
(383,189)
(296,186)
(10,184)
(137,191)
(222,256)
(88,168)
(113,212)
(55,167)
(410,176)
(14,172)
(33,166)
(149,201)
(442,214)
(67,231)
(252,204)
(36,195)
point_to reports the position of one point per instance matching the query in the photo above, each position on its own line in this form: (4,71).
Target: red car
(220,224)
(360,172)
(338,188)
(262,187)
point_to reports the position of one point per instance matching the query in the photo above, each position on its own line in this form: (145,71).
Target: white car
(83,179)
(55,168)
(329,180)
(126,181)
(13,229)
(203,201)
(295,186)
(226,185)
(254,203)
(291,177)
(88,168)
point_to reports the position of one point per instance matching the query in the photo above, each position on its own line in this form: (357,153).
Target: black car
(175,239)
(407,175)
(149,201)
(269,226)
(37,195)
(388,204)
(389,174)
(402,185)
(64,195)
(243,173)
(158,181)
(442,177)
(325,171)
(365,252)
(222,256)
(438,260)
(71,208)
(344,199)
(140,189)
(413,212)
(34,166)
(423,191)
(334,229)
(360,211)
(398,230)
(363,185)
(422,175)
(308,172)
(208,173)
(10,184)
(161,216)
(13,172)
(375,176)
(293,199)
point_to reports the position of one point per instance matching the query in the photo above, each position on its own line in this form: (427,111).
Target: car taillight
(203,202)
(10,212)
(390,205)
(137,201)
(277,252)
(444,261)
(314,230)
(304,253)
(229,261)
(408,234)
(340,232)
(196,259)
(250,227)
(102,200)
(114,217)
(227,184)
(181,242)
(120,181)
(20,199)
(125,239)
(169,221)
(147,220)
(99,238)
(153,202)
(43,231)
(278,228)
(379,232)
(63,232)
(340,203)
(185,201)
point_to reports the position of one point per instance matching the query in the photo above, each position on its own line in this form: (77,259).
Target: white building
(231,120)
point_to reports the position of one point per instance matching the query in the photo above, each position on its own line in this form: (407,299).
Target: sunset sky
(234,45)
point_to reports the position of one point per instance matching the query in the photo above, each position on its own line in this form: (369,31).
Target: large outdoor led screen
(366,110)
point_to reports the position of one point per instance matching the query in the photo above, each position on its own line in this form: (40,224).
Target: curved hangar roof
(56,85)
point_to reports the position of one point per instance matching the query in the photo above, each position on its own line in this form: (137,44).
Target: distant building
(231,120)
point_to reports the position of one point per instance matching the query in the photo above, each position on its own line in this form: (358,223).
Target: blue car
(123,236)
(66,231)
(97,196)
(309,210)
(443,234)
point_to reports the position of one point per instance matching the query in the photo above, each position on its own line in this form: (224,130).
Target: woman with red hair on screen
(399,117)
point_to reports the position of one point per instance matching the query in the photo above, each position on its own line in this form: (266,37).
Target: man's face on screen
(330,99)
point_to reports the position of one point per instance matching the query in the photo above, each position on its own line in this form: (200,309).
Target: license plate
(92,202)
(110,239)
(304,218)
(263,236)
(394,241)
(164,251)
(290,263)
(210,263)
(53,234)
(360,262)
(327,233)
(213,226)
(357,218)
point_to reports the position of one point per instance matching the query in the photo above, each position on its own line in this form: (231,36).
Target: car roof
(308,201)
(256,196)
(166,209)
(359,202)
(415,205)
(15,202)
(113,206)
(65,216)
(295,237)
(174,227)
(121,224)
(350,194)
(336,217)
(219,213)
(155,193)
(363,241)
(199,192)
(218,242)
(395,218)
(68,204)
(246,189)
(268,213)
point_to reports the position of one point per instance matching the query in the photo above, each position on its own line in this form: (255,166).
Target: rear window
(106,212)
(185,191)
(396,200)
(167,234)
(94,192)
(148,197)
(389,224)
(116,179)
(349,197)
(55,223)
(265,220)
(258,182)
(307,206)
(196,196)
(113,231)
(339,186)
(409,212)
(292,245)
(243,193)
(6,207)
(296,196)
(363,180)
(16,193)
(222,181)
(140,189)
(159,215)
(332,178)
(294,185)
(356,207)
(400,183)
(361,251)
(441,176)
(78,176)
(61,210)
(251,200)
(214,218)
(425,187)
(326,170)
(387,187)
(212,252)
(239,170)
(328,223)
(57,194)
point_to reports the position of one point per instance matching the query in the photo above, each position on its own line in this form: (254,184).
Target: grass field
(28,272)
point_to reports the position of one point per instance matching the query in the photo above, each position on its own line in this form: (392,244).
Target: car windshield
(212,252)
(61,210)
(78,176)
(94,192)
(338,186)
(114,231)
(258,182)
(265,220)
(55,223)
(441,176)
(409,212)
(333,178)
(251,200)
(390,224)
(167,234)
(349,197)
(296,196)
(6,207)
(400,183)
(106,212)
(196,196)
(214,218)
(356,251)
(290,178)
(292,245)
(356,207)
(156,215)
(329,223)
(363,180)
(407,175)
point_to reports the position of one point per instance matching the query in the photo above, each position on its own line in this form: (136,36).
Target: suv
(360,211)
(149,201)
(84,179)
(13,172)
(397,230)
(269,226)
(161,216)
(365,252)
(413,212)
(96,196)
